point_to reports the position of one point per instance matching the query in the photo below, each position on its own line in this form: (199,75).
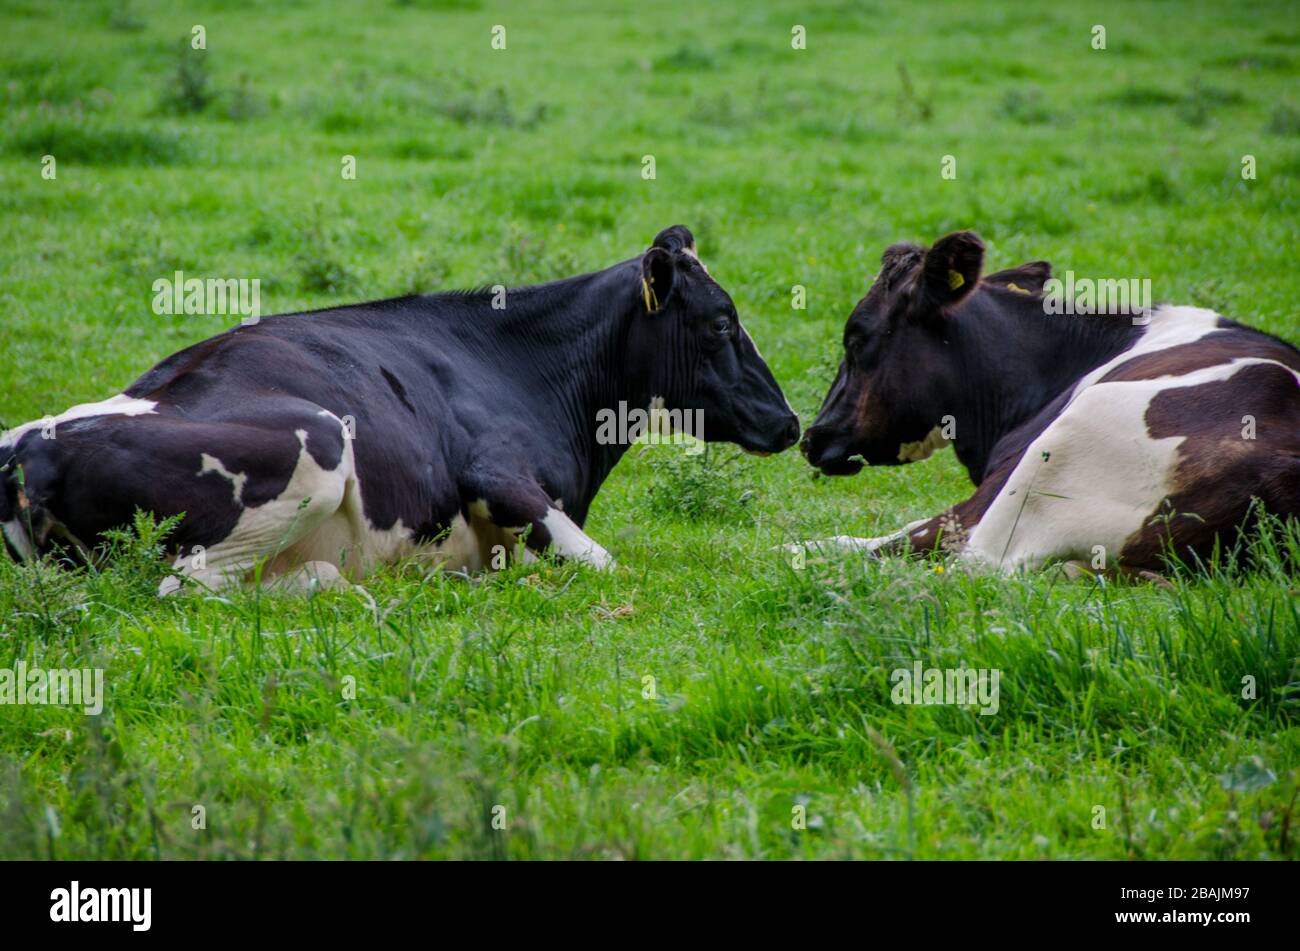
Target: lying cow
(1088,436)
(451,426)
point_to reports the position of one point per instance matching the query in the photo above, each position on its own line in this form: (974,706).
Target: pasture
(709,698)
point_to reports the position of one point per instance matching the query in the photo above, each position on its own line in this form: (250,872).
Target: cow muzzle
(832,455)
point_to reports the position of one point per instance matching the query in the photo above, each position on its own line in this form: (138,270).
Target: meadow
(708,699)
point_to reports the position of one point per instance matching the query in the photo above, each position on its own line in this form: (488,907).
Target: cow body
(459,427)
(1106,438)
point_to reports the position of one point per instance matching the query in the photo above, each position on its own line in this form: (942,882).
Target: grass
(512,716)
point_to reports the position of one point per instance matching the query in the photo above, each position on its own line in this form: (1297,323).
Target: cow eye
(722,325)
(852,341)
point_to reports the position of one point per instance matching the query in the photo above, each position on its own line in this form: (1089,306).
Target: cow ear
(951,269)
(675,238)
(1026,279)
(658,272)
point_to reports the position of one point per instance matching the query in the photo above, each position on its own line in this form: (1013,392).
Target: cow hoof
(838,544)
(312,577)
(1079,571)
(1155,578)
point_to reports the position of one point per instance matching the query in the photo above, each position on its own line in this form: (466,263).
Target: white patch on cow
(1102,478)
(274,529)
(213,464)
(569,541)
(17,535)
(661,422)
(120,405)
(656,422)
(467,545)
(916,451)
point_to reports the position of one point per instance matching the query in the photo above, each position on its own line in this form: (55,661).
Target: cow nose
(792,432)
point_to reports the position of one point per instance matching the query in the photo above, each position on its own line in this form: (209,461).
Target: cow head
(898,376)
(698,357)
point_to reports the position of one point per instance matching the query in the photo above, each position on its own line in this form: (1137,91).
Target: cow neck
(568,348)
(1014,360)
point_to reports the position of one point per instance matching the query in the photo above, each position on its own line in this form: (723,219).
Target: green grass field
(512,717)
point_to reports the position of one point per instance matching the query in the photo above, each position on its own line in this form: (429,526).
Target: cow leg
(839,544)
(520,507)
(280,534)
(307,578)
(197,581)
(947,531)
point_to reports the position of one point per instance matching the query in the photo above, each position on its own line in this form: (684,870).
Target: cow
(1115,439)
(455,427)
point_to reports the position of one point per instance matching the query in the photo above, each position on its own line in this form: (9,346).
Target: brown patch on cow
(1220,347)
(1220,471)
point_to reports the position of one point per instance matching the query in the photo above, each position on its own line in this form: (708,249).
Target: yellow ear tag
(650,295)
(1018,289)
(955,280)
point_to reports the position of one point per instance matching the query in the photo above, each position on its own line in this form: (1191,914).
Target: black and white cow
(320,445)
(1085,435)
